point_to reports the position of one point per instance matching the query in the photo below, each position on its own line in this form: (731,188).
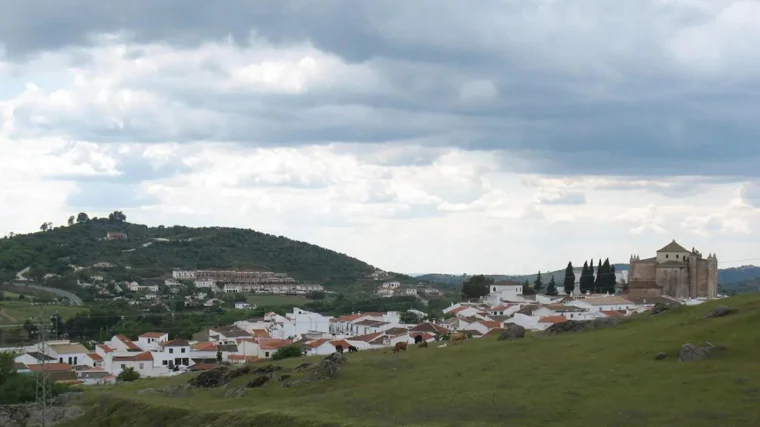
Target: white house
(72,353)
(227,334)
(152,340)
(504,291)
(183,274)
(409,291)
(174,353)
(504,310)
(319,347)
(204,283)
(121,343)
(243,306)
(604,303)
(140,362)
(392,285)
(34,358)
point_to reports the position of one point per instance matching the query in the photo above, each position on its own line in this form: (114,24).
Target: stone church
(676,272)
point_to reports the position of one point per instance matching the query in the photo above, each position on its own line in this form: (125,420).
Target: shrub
(128,374)
(287,352)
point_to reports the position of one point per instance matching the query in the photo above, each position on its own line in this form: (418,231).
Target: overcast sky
(419,136)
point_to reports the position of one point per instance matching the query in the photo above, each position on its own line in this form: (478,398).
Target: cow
(459,336)
(352,349)
(399,346)
(339,349)
(417,339)
(423,344)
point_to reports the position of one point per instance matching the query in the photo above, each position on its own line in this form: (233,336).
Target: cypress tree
(591,277)
(584,278)
(538,284)
(551,288)
(569,282)
(604,281)
(613,280)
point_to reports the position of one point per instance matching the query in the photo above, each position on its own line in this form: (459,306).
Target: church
(676,272)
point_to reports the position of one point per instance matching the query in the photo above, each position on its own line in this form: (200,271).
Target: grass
(16,312)
(275,300)
(600,378)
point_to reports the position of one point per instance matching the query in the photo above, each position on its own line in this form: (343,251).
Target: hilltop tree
(117,216)
(527,289)
(538,284)
(476,286)
(551,288)
(46,226)
(71,220)
(82,217)
(569,282)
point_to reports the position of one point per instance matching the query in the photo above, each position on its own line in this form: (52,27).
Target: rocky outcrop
(328,367)
(582,325)
(690,352)
(29,415)
(512,332)
(720,312)
(661,356)
(659,308)
(259,381)
(221,375)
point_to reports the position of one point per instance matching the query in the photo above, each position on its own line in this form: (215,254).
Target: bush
(128,374)
(287,352)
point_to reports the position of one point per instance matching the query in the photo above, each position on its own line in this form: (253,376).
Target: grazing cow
(423,344)
(417,339)
(352,349)
(459,336)
(339,349)
(399,346)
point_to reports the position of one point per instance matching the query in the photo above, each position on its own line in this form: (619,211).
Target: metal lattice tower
(44,392)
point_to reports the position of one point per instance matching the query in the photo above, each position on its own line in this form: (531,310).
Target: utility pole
(44,393)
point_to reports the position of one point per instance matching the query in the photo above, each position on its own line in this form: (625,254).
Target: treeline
(602,281)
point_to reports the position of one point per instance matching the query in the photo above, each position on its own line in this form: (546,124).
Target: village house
(227,334)
(112,235)
(604,303)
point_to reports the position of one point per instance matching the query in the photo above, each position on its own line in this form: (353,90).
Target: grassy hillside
(154,251)
(601,378)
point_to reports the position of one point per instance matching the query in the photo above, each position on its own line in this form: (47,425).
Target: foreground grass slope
(601,378)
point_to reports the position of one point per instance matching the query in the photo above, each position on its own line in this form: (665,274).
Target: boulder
(267,369)
(259,381)
(235,392)
(720,312)
(690,352)
(284,377)
(216,377)
(582,325)
(659,308)
(303,367)
(660,356)
(512,332)
(328,367)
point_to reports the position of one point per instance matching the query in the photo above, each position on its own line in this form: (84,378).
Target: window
(123,365)
(60,359)
(266,354)
(494,288)
(171,350)
(165,362)
(666,255)
(141,365)
(186,361)
(676,256)
(183,350)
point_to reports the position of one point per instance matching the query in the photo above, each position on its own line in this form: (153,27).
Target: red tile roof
(204,346)
(261,333)
(552,319)
(153,334)
(177,343)
(129,343)
(273,344)
(95,356)
(490,324)
(367,338)
(317,343)
(612,313)
(503,307)
(203,366)
(429,327)
(342,343)
(105,348)
(51,367)
(142,357)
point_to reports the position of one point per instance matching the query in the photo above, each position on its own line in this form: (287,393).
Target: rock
(29,415)
(267,369)
(259,381)
(659,308)
(236,392)
(690,352)
(216,377)
(293,383)
(582,325)
(303,367)
(720,312)
(284,377)
(328,367)
(660,356)
(512,332)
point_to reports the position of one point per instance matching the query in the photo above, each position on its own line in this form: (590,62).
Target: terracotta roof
(153,334)
(105,348)
(495,332)
(429,327)
(317,343)
(261,333)
(129,343)
(503,307)
(142,357)
(177,343)
(203,366)
(19,366)
(236,357)
(490,325)
(231,332)
(527,309)
(95,356)
(397,331)
(673,247)
(612,313)
(552,319)
(204,346)
(373,323)
(459,309)
(367,337)
(349,318)
(230,348)
(51,367)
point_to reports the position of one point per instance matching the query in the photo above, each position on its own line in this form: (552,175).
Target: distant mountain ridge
(726,276)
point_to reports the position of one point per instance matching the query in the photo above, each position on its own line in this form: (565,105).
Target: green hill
(606,377)
(151,252)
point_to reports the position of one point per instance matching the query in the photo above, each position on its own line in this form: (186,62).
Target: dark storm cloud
(583,87)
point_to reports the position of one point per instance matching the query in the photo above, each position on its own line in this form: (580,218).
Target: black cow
(339,349)
(417,339)
(352,349)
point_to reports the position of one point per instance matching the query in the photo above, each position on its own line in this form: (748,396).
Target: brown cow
(459,336)
(423,344)
(399,346)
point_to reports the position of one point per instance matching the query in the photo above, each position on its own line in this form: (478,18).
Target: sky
(425,136)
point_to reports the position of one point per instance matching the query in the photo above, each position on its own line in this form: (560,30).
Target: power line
(44,393)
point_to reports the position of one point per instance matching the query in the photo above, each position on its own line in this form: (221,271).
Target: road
(73,299)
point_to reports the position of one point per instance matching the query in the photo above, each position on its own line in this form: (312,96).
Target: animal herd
(402,346)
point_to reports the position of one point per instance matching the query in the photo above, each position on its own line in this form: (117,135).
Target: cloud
(392,130)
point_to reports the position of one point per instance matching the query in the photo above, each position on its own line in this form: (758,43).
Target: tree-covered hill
(151,252)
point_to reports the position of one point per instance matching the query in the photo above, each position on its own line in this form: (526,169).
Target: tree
(31,329)
(128,374)
(409,318)
(71,220)
(551,288)
(82,217)
(584,283)
(569,282)
(612,285)
(218,357)
(476,286)
(117,216)
(527,289)
(287,352)
(538,284)
(44,226)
